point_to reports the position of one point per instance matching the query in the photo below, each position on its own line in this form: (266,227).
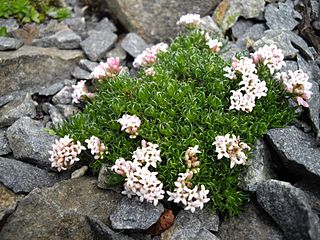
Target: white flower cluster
(231,147)
(184,192)
(96,147)
(191,159)
(190,20)
(80,92)
(130,124)
(108,69)
(297,83)
(270,56)
(214,44)
(65,153)
(252,87)
(147,155)
(149,55)
(140,181)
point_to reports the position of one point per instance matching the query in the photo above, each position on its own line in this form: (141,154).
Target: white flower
(96,146)
(147,155)
(150,71)
(190,20)
(65,153)
(149,55)
(191,158)
(231,148)
(80,92)
(130,124)
(214,45)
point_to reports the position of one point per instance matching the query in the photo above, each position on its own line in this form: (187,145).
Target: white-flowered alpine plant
(80,92)
(130,124)
(96,147)
(190,20)
(108,69)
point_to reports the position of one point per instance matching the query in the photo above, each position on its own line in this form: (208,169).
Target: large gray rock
(259,169)
(8,202)
(76,24)
(298,150)
(187,226)
(228,11)
(117,52)
(135,215)
(22,177)
(251,35)
(290,208)
(60,212)
(64,39)
(38,67)
(88,65)
(133,44)
(314,110)
(240,27)
(22,106)
(4,143)
(7,43)
(311,189)
(209,25)
(252,223)
(98,43)
(289,42)
(105,25)
(64,96)
(80,73)
(155,20)
(281,17)
(29,142)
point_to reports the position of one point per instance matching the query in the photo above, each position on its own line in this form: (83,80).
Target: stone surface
(51,90)
(4,99)
(63,96)
(55,115)
(155,20)
(281,17)
(22,177)
(117,52)
(311,189)
(7,43)
(290,208)
(298,150)
(102,231)
(8,202)
(209,25)
(88,65)
(187,227)
(252,223)
(104,173)
(105,25)
(4,143)
(290,65)
(135,215)
(59,212)
(21,106)
(240,27)
(289,42)
(76,24)
(10,24)
(228,11)
(29,142)
(229,51)
(251,35)
(133,44)
(64,39)
(98,43)
(38,67)
(67,110)
(314,110)
(259,168)
(80,73)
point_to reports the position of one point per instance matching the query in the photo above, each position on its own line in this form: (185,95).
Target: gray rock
(289,207)
(117,52)
(22,106)
(229,51)
(102,231)
(29,142)
(309,67)
(88,65)
(79,172)
(240,27)
(76,24)
(228,11)
(104,172)
(290,65)
(133,44)
(80,73)
(63,96)
(259,168)
(59,212)
(298,150)
(7,43)
(51,27)
(281,17)
(10,24)
(22,177)
(98,43)
(314,110)
(187,227)
(315,9)
(51,90)
(4,143)
(251,224)
(289,42)
(209,220)
(8,202)
(105,25)
(316,24)
(312,190)
(10,97)
(134,215)
(38,67)
(251,35)
(209,25)
(67,110)
(155,20)
(55,115)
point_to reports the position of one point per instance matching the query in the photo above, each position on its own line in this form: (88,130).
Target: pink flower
(80,92)
(108,69)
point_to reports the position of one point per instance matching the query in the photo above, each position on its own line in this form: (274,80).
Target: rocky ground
(39,64)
